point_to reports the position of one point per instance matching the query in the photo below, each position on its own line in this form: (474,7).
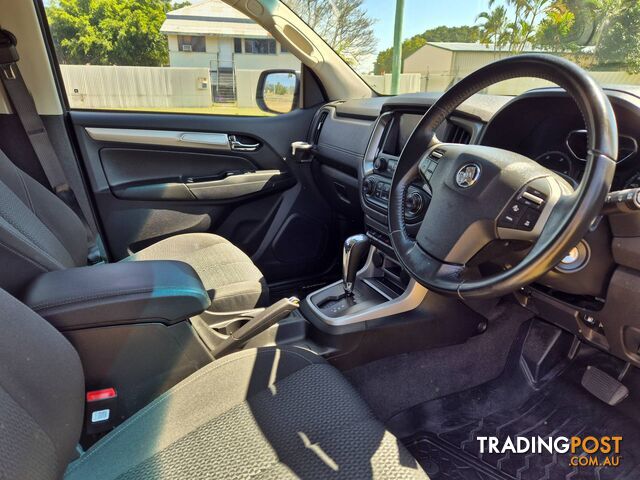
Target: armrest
(118,293)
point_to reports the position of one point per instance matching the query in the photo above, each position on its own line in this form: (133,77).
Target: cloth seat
(265,413)
(40,233)
(234,283)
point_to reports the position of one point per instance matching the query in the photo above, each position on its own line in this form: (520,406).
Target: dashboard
(595,295)
(548,127)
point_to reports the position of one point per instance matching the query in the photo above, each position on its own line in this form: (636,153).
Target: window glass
(457,37)
(162,55)
(261,46)
(187,43)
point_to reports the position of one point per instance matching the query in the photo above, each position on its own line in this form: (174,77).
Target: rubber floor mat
(446,443)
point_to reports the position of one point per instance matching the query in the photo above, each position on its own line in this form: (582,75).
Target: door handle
(239,146)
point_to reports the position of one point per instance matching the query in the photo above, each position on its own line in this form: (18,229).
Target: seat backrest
(38,232)
(41,395)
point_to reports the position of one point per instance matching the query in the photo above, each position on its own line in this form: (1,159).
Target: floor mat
(446,443)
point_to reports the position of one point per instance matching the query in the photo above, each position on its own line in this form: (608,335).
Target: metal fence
(92,86)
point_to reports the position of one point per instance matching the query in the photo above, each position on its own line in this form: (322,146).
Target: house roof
(211,17)
(483,47)
(479,47)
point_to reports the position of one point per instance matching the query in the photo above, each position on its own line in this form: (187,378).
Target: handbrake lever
(256,326)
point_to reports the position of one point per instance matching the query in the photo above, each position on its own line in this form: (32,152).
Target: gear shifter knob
(355,248)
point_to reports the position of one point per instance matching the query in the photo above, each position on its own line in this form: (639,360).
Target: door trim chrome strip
(161,138)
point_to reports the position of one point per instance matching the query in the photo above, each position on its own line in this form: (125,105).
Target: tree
(494,29)
(344,24)
(110,32)
(555,32)
(439,34)
(619,45)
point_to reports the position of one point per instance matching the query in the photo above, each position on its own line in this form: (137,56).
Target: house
(215,35)
(457,59)
(453,58)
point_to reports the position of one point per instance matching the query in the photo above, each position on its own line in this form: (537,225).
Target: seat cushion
(233,282)
(266,413)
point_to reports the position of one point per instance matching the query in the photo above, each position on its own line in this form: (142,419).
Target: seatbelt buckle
(101,411)
(94,256)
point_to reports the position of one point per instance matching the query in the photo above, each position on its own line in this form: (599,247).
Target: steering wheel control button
(428,167)
(528,220)
(511,215)
(437,154)
(533,198)
(516,209)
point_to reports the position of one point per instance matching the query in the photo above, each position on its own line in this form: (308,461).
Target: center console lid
(118,293)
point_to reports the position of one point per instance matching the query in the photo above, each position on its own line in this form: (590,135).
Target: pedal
(603,386)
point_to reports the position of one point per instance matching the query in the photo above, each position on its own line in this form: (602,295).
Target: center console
(391,133)
(381,288)
(374,286)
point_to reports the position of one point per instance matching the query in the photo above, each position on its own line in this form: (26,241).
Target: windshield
(437,42)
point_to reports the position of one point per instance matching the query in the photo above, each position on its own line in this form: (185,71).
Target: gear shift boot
(335,303)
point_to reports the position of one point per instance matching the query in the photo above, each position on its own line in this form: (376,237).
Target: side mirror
(278,91)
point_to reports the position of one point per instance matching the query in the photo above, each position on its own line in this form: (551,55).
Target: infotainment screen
(408,123)
(399,132)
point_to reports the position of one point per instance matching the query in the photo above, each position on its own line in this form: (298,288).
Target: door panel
(152,179)
(123,166)
(141,174)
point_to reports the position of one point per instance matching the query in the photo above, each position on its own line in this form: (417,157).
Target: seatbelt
(24,106)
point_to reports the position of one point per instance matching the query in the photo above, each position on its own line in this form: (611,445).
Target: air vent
(458,134)
(316,131)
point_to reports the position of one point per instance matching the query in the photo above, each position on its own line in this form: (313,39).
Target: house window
(263,46)
(237,45)
(190,43)
(283,48)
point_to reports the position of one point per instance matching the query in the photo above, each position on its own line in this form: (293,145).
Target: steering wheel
(483,194)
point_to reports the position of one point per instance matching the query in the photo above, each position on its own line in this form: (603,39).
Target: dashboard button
(368,186)
(380,164)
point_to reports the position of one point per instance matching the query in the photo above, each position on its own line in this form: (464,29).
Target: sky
(419,15)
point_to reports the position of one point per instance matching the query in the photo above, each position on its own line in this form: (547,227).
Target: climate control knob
(414,203)
(368,186)
(380,164)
